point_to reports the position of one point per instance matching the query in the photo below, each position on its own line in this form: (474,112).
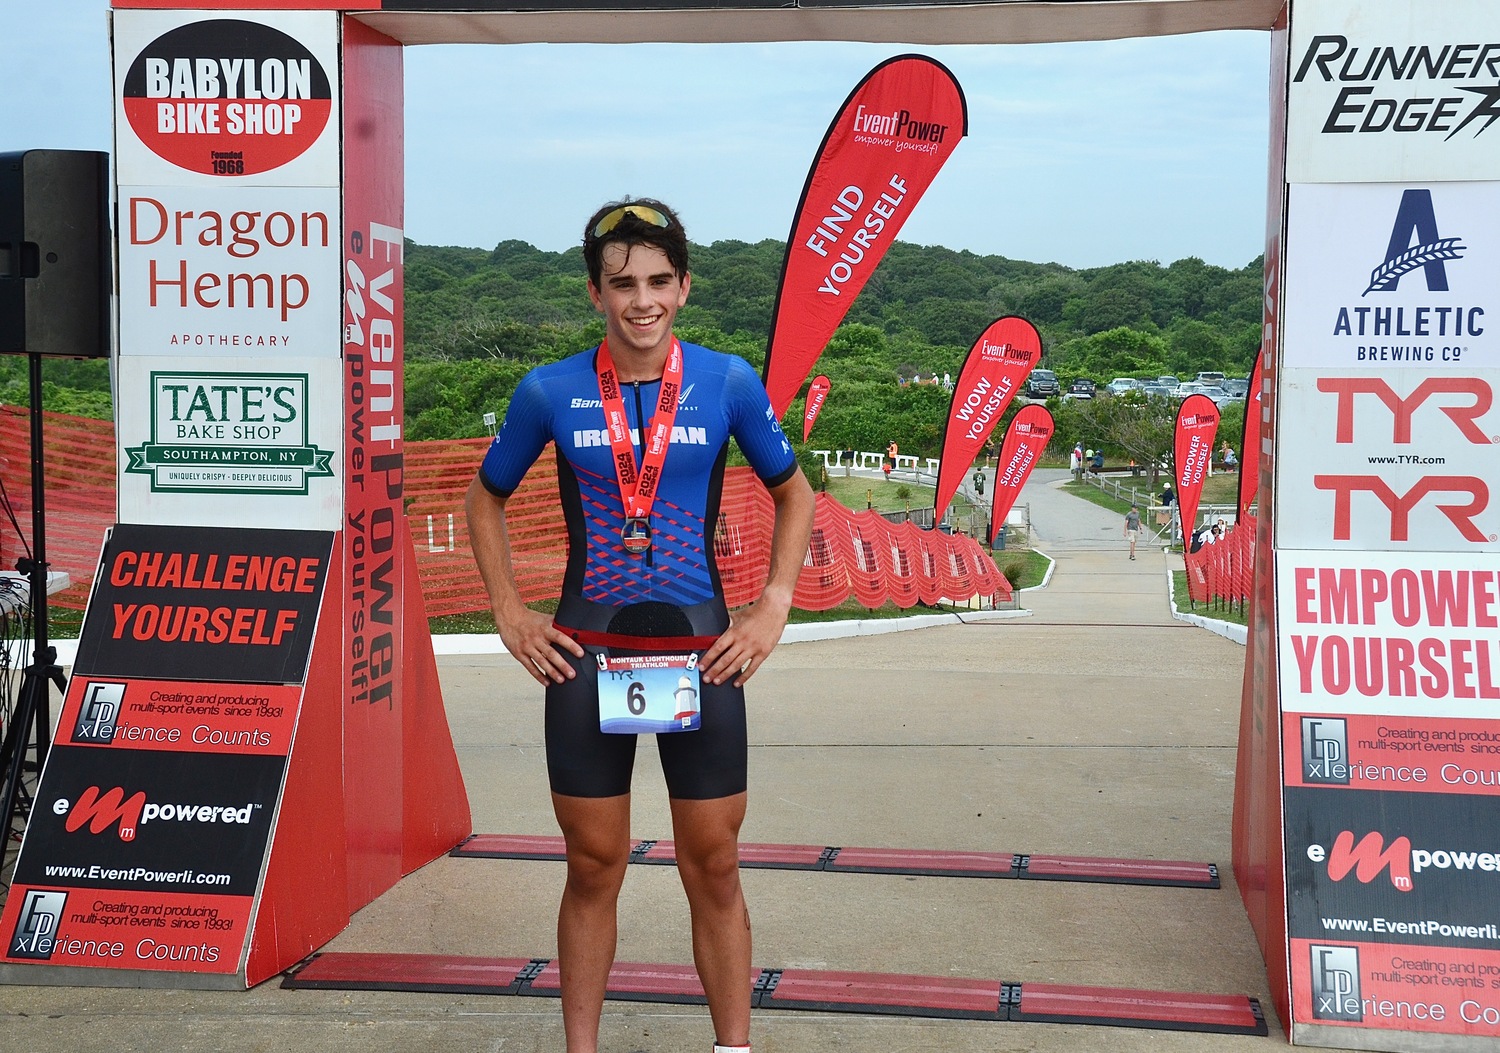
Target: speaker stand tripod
(32,721)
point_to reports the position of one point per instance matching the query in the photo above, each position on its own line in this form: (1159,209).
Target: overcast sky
(1084,154)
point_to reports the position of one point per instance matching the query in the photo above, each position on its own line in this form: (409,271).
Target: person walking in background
(1075,461)
(1133,528)
(890,458)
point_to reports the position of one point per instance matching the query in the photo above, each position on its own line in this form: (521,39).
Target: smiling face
(639,294)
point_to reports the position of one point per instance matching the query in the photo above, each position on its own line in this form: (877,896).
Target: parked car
(1042,383)
(1120,385)
(1158,389)
(1082,388)
(1168,382)
(1237,387)
(1212,380)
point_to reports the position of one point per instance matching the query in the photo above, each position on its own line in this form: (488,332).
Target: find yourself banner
(880,154)
(1030,431)
(995,369)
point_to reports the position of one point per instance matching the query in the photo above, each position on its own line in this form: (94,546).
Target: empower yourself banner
(1030,431)
(880,154)
(993,371)
(1193,447)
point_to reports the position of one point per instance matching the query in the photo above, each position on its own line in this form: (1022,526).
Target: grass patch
(1024,568)
(1097,496)
(1218,610)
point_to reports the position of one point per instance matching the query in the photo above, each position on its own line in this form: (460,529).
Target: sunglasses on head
(612,219)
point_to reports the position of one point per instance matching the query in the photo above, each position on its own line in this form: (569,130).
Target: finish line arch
(1381,166)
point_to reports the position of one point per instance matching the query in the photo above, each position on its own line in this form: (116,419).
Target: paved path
(1098,727)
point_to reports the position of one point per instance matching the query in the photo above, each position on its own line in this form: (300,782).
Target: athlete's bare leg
(597,832)
(706,834)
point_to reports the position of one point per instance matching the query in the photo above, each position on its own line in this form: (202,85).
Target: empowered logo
(35,935)
(1335,983)
(1369,857)
(101,811)
(1325,751)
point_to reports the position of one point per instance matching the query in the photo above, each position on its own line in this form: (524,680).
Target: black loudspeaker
(54,253)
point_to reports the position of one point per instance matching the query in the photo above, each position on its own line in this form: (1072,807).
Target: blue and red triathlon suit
(668,600)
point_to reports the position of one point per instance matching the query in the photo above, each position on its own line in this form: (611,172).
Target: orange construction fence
(856,554)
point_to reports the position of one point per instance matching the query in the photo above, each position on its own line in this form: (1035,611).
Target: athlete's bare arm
(755,630)
(528,635)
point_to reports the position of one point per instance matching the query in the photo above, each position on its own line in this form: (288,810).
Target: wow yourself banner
(1029,433)
(995,369)
(880,154)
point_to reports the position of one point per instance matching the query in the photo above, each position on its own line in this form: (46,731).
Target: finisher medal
(638,485)
(636,535)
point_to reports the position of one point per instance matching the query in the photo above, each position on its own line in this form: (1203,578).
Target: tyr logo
(1465,416)
(1461,515)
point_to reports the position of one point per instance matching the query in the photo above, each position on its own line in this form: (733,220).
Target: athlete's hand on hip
(535,642)
(752,635)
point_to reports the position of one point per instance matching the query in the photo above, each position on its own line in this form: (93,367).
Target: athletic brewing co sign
(229,433)
(1394,91)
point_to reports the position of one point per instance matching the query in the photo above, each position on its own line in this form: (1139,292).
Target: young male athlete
(642,638)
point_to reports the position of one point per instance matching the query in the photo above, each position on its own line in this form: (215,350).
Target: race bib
(648,694)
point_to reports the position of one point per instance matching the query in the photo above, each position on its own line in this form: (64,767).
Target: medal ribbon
(638,489)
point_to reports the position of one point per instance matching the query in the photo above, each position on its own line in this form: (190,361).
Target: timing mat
(943,997)
(904,861)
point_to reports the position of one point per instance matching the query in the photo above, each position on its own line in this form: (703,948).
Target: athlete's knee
(596,871)
(711,871)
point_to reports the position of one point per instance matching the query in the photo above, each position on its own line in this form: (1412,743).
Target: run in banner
(995,369)
(878,157)
(817,394)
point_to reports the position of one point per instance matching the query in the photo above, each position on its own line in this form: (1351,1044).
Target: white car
(1120,385)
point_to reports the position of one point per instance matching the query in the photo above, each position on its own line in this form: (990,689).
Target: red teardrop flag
(995,369)
(1028,435)
(1197,422)
(880,154)
(817,394)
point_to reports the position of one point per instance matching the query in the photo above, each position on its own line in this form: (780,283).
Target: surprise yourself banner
(882,151)
(1029,433)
